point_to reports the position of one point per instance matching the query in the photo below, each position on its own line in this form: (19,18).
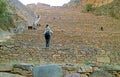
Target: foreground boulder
(51,70)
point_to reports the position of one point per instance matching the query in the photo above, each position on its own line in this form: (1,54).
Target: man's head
(47,25)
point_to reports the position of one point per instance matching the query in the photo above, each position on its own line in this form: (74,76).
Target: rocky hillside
(16,13)
(98,7)
(77,39)
(22,11)
(94,2)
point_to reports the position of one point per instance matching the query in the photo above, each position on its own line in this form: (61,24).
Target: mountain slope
(22,11)
(77,39)
(98,7)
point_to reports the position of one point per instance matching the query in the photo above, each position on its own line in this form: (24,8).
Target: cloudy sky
(50,2)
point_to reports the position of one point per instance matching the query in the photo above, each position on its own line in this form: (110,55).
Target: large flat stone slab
(103,59)
(51,70)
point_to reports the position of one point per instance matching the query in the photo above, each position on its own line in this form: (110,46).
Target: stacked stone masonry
(25,70)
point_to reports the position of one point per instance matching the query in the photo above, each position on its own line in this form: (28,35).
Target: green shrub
(3,7)
(6,21)
(87,62)
(89,7)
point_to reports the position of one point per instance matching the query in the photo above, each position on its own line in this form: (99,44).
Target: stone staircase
(77,39)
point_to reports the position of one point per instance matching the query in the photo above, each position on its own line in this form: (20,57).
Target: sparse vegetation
(87,62)
(2,8)
(6,21)
(111,9)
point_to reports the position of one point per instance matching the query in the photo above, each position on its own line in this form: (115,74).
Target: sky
(50,2)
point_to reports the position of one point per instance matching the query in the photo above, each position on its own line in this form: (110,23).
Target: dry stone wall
(60,55)
(25,70)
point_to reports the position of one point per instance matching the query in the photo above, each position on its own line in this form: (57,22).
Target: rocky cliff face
(22,11)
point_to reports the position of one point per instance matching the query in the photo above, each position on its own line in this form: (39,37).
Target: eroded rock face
(51,70)
(22,11)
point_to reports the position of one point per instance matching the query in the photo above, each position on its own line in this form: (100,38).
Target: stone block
(69,68)
(111,67)
(83,69)
(23,69)
(103,59)
(2,74)
(73,75)
(24,66)
(51,70)
(5,67)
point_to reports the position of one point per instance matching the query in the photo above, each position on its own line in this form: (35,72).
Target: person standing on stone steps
(47,34)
